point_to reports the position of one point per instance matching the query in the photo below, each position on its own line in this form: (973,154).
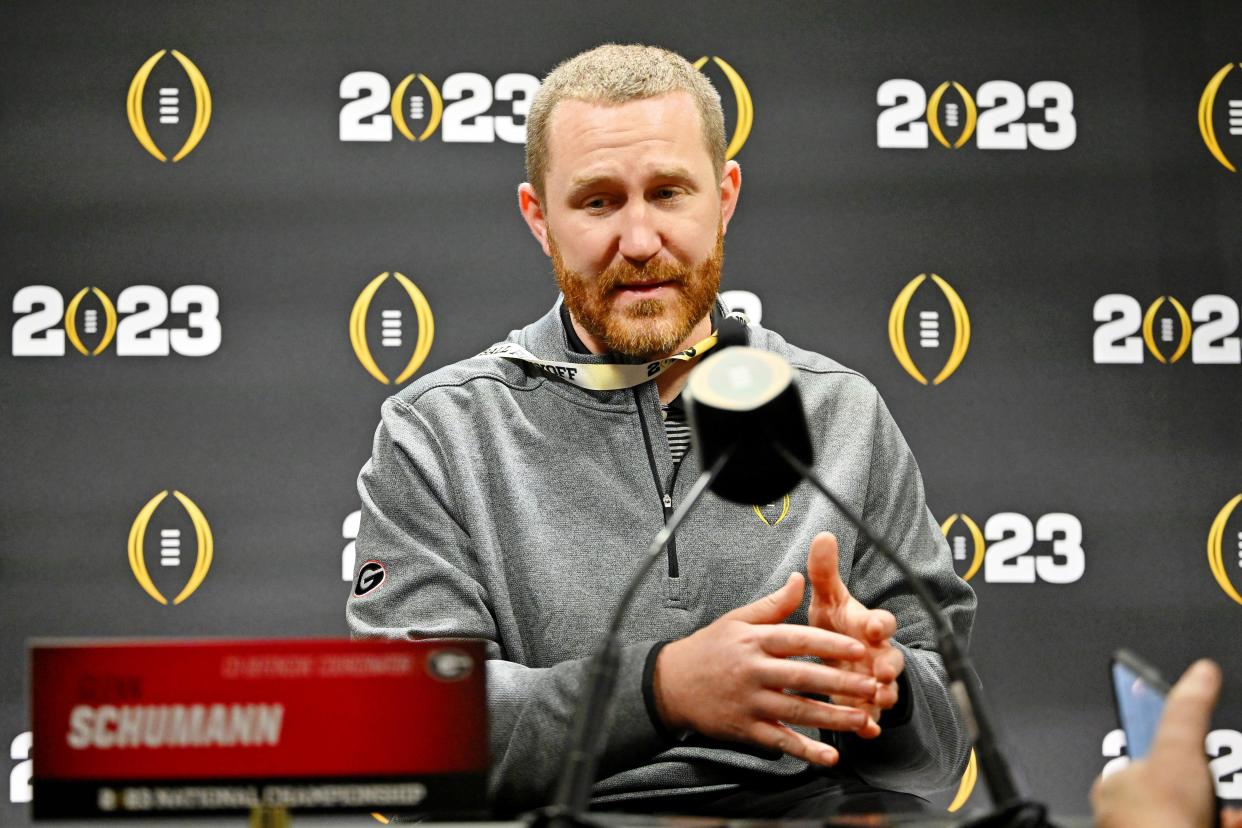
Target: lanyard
(594,377)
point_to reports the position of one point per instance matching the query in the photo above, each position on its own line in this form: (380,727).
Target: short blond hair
(617,74)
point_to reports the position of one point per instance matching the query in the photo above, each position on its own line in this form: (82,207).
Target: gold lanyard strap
(596,377)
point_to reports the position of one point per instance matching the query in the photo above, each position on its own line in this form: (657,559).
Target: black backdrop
(1038,434)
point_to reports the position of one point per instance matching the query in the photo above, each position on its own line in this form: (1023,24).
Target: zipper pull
(668,502)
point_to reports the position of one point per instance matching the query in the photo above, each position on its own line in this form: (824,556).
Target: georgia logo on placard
(930,327)
(169,105)
(138,323)
(1224,548)
(1208,115)
(1167,330)
(461,107)
(172,530)
(1005,549)
(393,330)
(992,115)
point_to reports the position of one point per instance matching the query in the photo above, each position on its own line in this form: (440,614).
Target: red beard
(646,328)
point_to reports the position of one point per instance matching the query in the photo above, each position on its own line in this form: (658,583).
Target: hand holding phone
(1171,785)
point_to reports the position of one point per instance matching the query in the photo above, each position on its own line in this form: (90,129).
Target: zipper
(673,567)
(666,497)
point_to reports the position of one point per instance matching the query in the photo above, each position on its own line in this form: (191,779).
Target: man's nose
(640,237)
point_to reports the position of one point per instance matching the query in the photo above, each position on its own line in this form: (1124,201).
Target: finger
(773,607)
(1097,791)
(808,677)
(1188,712)
(887,664)
(871,729)
(772,705)
(885,695)
(778,737)
(824,571)
(784,640)
(879,626)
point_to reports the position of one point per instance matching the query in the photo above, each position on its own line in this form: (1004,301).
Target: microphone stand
(586,735)
(1011,809)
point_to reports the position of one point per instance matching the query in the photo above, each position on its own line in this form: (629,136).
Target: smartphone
(1140,691)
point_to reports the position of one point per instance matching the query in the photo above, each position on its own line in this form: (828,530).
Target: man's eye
(595,203)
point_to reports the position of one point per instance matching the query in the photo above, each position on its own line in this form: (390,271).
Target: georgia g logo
(170,546)
(1207,116)
(929,327)
(370,576)
(392,326)
(169,106)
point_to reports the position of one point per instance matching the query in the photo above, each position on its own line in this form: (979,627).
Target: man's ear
(532,212)
(730,187)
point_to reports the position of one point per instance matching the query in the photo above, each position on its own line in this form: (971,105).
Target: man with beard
(509,496)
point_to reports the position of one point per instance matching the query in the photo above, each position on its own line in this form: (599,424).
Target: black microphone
(586,736)
(746,414)
(743,401)
(732,331)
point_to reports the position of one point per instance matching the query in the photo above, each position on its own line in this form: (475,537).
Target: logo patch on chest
(773,513)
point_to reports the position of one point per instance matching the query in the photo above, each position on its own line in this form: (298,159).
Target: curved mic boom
(746,399)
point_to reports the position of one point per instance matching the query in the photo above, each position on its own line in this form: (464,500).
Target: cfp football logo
(1223,747)
(171,550)
(745,117)
(462,107)
(1224,548)
(773,513)
(967,786)
(1005,548)
(136,322)
(992,115)
(929,328)
(1166,330)
(393,328)
(170,106)
(1208,116)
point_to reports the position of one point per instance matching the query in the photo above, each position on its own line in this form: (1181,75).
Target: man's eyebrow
(674,173)
(587,182)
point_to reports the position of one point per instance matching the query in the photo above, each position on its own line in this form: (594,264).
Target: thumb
(773,607)
(824,571)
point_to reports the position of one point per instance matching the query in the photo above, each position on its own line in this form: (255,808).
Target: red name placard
(210,726)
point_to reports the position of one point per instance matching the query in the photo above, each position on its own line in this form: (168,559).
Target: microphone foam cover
(746,400)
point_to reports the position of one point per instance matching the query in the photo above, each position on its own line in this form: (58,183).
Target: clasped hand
(733,680)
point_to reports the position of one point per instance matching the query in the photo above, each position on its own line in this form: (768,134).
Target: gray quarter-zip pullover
(509,505)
